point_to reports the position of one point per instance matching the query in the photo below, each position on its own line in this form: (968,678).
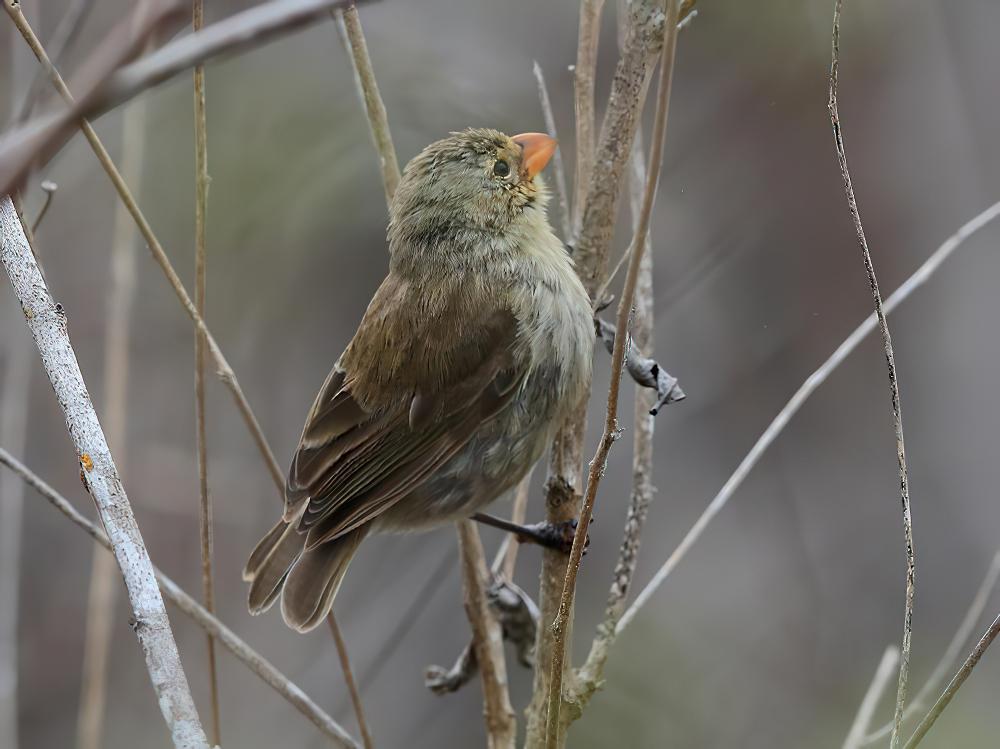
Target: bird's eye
(501,168)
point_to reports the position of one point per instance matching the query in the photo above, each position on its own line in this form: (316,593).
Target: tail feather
(313,581)
(269,563)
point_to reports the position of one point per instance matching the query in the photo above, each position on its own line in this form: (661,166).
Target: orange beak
(536,150)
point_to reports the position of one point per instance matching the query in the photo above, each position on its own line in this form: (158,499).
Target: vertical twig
(351,34)
(205,523)
(897,417)
(591,672)
(352,688)
(554,725)
(955,684)
(48,327)
(103,590)
(487,639)
(550,127)
(583,98)
(886,668)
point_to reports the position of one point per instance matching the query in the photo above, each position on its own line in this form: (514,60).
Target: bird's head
(474,182)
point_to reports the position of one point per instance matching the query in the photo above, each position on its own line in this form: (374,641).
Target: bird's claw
(556,536)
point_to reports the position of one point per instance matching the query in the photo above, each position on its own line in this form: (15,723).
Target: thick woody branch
(583,88)
(890,360)
(190,607)
(47,323)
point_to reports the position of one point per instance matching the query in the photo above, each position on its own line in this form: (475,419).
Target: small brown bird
(470,355)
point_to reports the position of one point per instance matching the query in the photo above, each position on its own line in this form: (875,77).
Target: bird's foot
(556,536)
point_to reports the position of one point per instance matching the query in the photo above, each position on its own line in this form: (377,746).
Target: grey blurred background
(767,634)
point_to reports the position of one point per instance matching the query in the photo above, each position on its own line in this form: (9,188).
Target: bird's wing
(355,461)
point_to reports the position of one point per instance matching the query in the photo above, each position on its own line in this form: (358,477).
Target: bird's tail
(306,580)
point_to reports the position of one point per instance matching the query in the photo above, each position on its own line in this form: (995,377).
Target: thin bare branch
(550,128)
(555,726)
(353,38)
(205,524)
(951,653)
(890,359)
(224,370)
(487,638)
(352,688)
(197,613)
(47,323)
(49,188)
(102,593)
(883,674)
(583,89)
(806,389)
(954,685)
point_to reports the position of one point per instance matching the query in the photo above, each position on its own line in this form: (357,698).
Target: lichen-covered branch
(197,613)
(47,322)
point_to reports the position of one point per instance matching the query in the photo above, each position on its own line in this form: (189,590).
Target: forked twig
(890,359)
(954,685)
(554,725)
(951,653)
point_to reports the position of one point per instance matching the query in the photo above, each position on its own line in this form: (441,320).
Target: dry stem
(48,327)
(554,725)
(583,88)
(955,684)
(205,525)
(560,169)
(351,34)
(487,638)
(897,417)
(886,668)
(197,613)
(352,687)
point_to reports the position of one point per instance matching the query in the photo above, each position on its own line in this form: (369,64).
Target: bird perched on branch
(470,355)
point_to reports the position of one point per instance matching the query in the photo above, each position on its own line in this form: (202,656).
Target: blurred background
(770,630)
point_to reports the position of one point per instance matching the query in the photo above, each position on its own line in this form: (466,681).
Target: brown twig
(197,613)
(353,38)
(487,638)
(47,323)
(583,99)
(560,169)
(224,370)
(897,417)
(886,668)
(205,524)
(352,688)
(950,654)
(49,188)
(954,685)
(554,725)
(103,589)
